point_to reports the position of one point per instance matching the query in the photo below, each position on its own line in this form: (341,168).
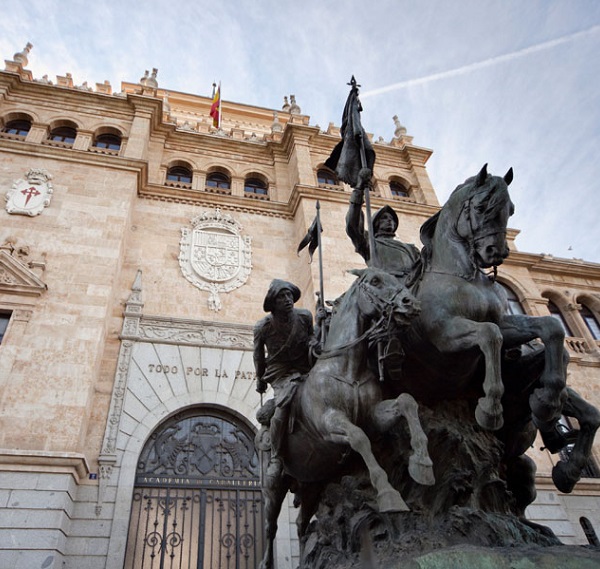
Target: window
(108,141)
(590,322)
(556,313)
(398,190)
(64,134)
(255,186)
(326,177)
(4,319)
(589,532)
(514,306)
(19,127)
(218,180)
(181,174)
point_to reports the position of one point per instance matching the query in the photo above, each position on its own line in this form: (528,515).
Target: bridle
(380,329)
(474,237)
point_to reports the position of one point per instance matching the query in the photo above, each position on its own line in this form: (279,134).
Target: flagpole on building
(220,105)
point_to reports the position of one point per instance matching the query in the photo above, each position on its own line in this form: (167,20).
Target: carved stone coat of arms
(214,256)
(30,195)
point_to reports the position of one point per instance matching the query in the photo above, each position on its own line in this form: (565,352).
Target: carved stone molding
(195,333)
(214,256)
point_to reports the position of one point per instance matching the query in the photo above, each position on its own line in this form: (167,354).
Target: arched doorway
(197,501)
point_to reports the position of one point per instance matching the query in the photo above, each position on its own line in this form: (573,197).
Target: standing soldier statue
(282,343)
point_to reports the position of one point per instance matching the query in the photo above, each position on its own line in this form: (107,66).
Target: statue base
(349,533)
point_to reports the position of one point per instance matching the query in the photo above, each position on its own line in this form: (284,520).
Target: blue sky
(507,82)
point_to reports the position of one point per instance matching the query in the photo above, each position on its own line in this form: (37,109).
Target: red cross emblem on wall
(29,193)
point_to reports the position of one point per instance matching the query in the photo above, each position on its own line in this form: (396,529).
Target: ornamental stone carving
(29,196)
(214,256)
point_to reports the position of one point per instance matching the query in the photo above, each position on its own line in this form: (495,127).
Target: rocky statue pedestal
(466,520)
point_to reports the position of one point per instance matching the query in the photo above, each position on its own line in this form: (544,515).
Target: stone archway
(197,500)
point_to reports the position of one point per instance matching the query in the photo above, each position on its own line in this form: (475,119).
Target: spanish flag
(215,108)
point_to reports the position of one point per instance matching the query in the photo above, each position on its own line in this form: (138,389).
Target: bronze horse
(340,404)
(457,342)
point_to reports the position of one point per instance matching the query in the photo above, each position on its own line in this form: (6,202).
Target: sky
(510,83)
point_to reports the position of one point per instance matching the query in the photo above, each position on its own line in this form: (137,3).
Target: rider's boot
(278,424)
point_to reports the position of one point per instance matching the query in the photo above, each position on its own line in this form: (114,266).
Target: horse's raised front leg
(565,474)
(341,430)
(459,334)
(387,413)
(545,402)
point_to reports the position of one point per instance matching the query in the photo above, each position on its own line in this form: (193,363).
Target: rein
(378,330)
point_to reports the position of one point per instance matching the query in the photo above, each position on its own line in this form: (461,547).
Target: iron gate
(197,502)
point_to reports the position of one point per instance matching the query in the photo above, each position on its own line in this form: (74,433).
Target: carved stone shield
(214,256)
(29,196)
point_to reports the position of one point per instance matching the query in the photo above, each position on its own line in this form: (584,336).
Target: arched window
(398,190)
(326,177)
(255,186)
(556,313)
(589,531)
(179,174)
(514,305)
(590,322)
(19,127)
(109,141)
(218,180)
(66,134)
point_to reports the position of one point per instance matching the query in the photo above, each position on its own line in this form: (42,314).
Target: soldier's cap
(276,286)
(385,209)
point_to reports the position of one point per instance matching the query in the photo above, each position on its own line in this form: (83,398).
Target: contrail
(480,64)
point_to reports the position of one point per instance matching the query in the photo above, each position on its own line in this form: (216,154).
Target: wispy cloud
(481,64)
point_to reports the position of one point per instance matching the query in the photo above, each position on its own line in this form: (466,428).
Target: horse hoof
(391,501)
(488,421)
(563,478)
(421,471)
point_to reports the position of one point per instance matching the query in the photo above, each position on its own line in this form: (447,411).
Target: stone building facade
(137,242)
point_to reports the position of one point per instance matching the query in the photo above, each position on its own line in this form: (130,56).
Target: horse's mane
(467,190)
(426,233)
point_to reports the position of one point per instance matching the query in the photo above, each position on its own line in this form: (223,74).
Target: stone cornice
(61,96)
(270,208)
(79,156)
(210,199)
(549,264)
(19,460)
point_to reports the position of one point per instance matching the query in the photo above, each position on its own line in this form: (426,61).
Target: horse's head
(381,295)
(483,216)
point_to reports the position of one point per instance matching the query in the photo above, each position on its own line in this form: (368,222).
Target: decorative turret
(151,81)
(294,108)
(144,79)
(21,56)
(276,126)
(400,129)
